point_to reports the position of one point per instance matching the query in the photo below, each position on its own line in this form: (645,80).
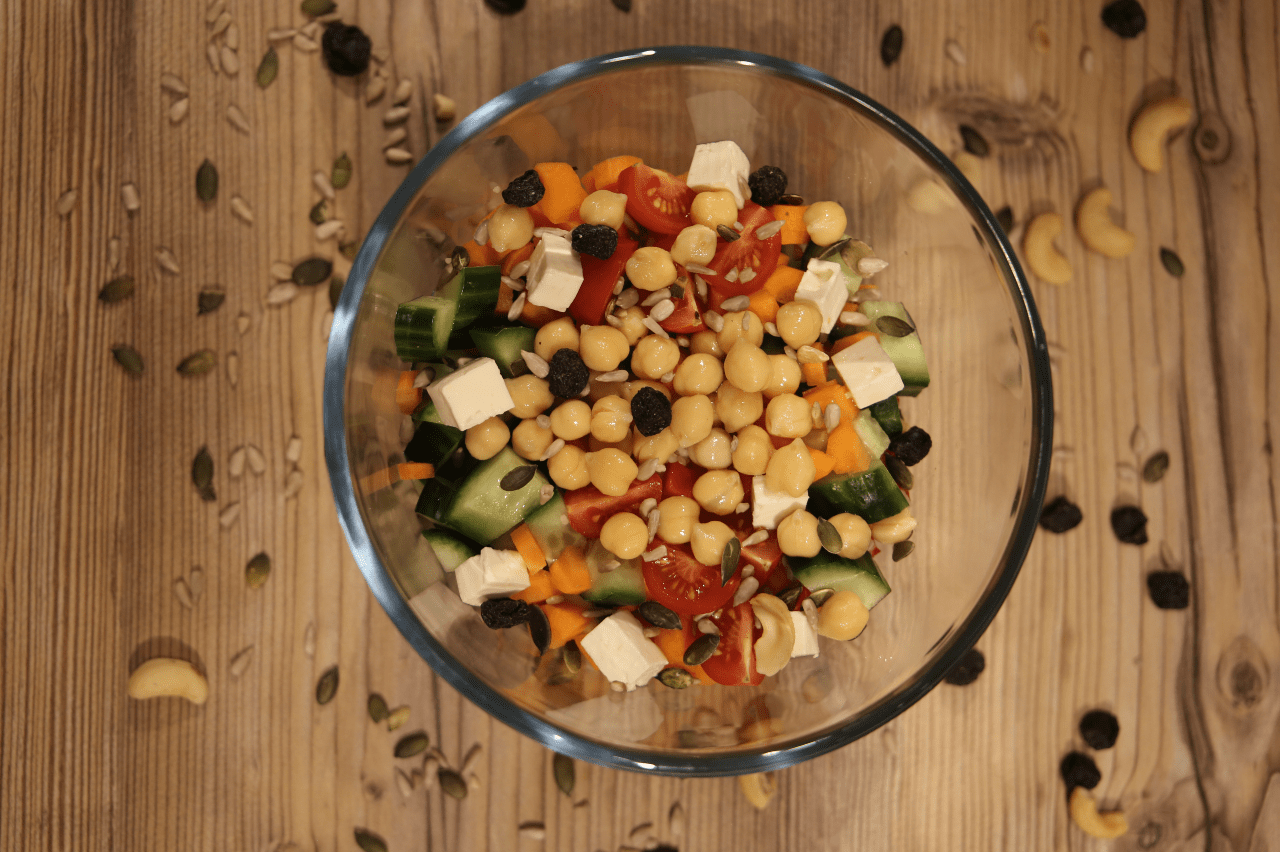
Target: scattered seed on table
(241,662)
(967,669)
(891,45)
(395,137)
(397,718)
(207,181)
(398,156)
(281,271)
(129,197)
(341,174)
(412,744)
(1099,729)
(377,707)
(172,84)
(1060,515)
(211,54)
(117,290)
(304,44)
(327,686)
(1125,18)
(257,570)
(1129,524)
(292,483)
(209,300)
(182,592)
(316,8)
(1004,218)
(395,115)
(214,10)
(404,91)
(166,261)
(233,368)
(113,253)
(321,182)
(329,229)
(282,294)
(221,23)
(312,271)
(202,474)
(445,107)
(1171,262)
(1156,467)
(369,842)
(974,142)
(229,515)
(235,465)
(376,89)
(452,783)
(955,52)
(563,770)
(268,68)
(293,449)
(128,358)
(198,363)
(232,36)
(230,61)
(257,462)
(1169,590)
(237,118)
(66,202)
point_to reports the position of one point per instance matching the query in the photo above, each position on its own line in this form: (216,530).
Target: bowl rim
(961,639)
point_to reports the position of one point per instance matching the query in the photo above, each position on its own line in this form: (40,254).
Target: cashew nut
(1155,122)
(1098,232)
(1037,244)
(1084,811)
(895,528)
(758,788)
(168,677)
(778,640)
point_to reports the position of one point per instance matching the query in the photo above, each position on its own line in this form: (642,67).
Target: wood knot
(1243,675)
(1211,139)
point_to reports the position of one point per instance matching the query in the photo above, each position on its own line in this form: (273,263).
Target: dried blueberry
(1060,515)
(1125,18)
(891,45)
(911,446)
(1169,590)
(967,669)
(1099,729)
(1079,771)
(346,49)
(1129,524)
(504,612)
(768,184)
(651,411)
(568,376)
(524,191)
(598,241)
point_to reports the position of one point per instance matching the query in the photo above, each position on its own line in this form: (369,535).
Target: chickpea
(713,451)
(854,532)
(568,468)
(825,221)
(530,441)
(676,517)
(612,471)
(895,528)
(788,416)
(659,446)
(843,616)
(603,208)
(798,535)
(632,324)
(708,541)
(602,347)
(510,227)
(651,268)
(733,329)
(691,419)
(610,419)
(746,366)
(485,439)
(698,374)
(799,323)
(707,343)
(531,396)
(784,375)
(655,356)
(719,492)
(754,449)
(594,444)
(696,244)
(624,535)
(713,208)
(738,408)
(790,469)
(571,420)
(557,335)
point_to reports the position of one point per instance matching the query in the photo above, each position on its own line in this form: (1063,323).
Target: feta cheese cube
(720,166)
(555,273)
(768,507)
(823,285)
(622,651)
(806,638)
(471,394)
(868,372)
(490,573)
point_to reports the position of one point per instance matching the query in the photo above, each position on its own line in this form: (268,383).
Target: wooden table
(110,556)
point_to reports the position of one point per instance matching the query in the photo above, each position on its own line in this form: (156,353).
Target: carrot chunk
(415,470)
(821,461)
(566,620)
(528,548)
(783,282)
(563,196)
(606,172)
(407,397)
(569,573)
(847,451)
(793,230)
(539,589)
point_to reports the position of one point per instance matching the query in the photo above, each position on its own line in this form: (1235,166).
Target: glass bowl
(989,406)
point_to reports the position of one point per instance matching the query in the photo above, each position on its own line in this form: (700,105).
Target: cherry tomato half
(656,199)
(589,508)
(735,659)
(748,252)
(679,582)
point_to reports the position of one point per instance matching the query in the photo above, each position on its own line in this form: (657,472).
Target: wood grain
(101,517)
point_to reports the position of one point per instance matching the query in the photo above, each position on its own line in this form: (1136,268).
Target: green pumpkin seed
(676,678)
(701,649)
(1004,218)
(834,249)
(1172,263)
(319,212)
(377,707)
(411,745)
(974,142)
(727,234)
(460,258)
(819,596)
(572,657)
(853,251)
(335,290)
(327,686)
(517,478)
(311,272)
(202,474)
(562,769)
(268,68)
(128,358)
(901,550)
(658,616)
(539,629)
(349,250)
(1157,465)
(367,841)
(729,559)
(899,471)
(198,363)
(209,300)
(452,783)
(891,45)
(791,595)
(894,327)
(341,175)
(257,570)
(397,718)
(117,290)
(316,8)
(790,199)
(830,538)
(207,182)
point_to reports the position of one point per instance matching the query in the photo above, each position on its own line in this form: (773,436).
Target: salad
(658,419)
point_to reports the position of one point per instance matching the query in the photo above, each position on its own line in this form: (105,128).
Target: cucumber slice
(829,571)
(906,352)
(482,509)
(475,290)
(504,344)
(422,327)
(888,415)
(432,441)
(550,528)
(871,433)
(871,494)
(623,584)
(450,549)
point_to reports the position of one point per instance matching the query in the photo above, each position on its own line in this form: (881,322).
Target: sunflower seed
(517,478)
(341,171)
(166,261)
(701,649)
(397,718)
(322,184)
(309,640)
(652,325)
(868,267)
(312,271)
(395,115)
(404,91)
(445,107)
(376,89)
(655,554)
(282,294)
(129,197)
(240,662)
(613,376)
(894,327)
(369,842)
(211,54)
(398,156)
(452,783)
(901,550)
(198,363)
(819,596)
(748,588)
(736,303)
(214,10)
(663,310)
(230,513)
(537,364)
(221,23)
(292,483)
(116,290)
(411,745)
(202,474)
(829,536)
(233,368)
(955,52)
(764,232)
(404,784)
(316,8)
(230,61)
(241,209)
(1157,465)
(293,449)
(232,36)
(237,118)
(811,355)
(66,202)
(1171,262)
(182,592)
(395,137)
(268,68)
(533,831)
(891,45)
(517,306)
(729,559)
(257,462)
(304,44)
(330,229)
(257,570)
(563,771)
(659,616)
